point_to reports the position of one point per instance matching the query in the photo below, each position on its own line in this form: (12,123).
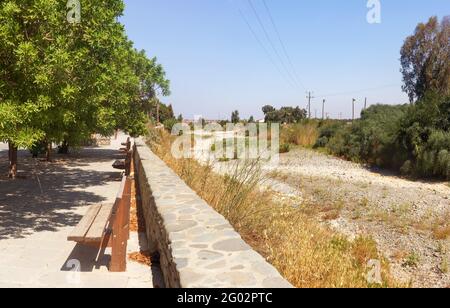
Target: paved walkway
(41,208)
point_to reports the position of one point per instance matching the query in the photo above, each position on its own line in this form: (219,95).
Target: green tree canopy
(425,59)
(235,118)
(62,81)
(286,115)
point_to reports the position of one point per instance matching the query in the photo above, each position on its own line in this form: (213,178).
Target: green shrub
(327,130)
(413,139)
(321,142)
(434,157)
(285,148)
(407,168)
(424,134)
(38,149)
(378,132)
(169,124)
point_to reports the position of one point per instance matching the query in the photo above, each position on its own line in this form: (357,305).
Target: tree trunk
(12,154)
(64,148)
(49,151)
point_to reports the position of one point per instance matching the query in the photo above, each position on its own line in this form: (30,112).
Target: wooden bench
(108,226)
(127,142)
(124,164)
(127,146)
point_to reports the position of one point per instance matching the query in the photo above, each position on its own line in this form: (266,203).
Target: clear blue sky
(216,65)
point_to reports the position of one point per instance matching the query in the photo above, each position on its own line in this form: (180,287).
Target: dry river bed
(409,220)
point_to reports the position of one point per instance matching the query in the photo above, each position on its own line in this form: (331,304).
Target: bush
(434,158)
(285,148)
(169,124)
(38,149)
(321,142)
(424,133)
(412,139)
(407,168)
(371,139)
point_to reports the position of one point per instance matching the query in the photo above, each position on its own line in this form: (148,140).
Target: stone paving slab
(35,221)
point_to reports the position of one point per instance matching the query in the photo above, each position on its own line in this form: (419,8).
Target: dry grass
(302,134)
(441,228)
(306,253)
(142,257)
(441,233)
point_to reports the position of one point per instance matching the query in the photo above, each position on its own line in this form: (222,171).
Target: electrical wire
(266,51)
(270,41)
(298,79)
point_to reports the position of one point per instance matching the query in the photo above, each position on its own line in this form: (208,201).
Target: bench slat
(119,164)
(86,222)
(97,229)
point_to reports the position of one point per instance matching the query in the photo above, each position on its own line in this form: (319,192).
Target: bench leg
(120,233)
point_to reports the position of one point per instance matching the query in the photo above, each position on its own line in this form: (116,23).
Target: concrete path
(41,208)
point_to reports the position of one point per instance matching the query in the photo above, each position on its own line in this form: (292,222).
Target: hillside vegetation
(411,139)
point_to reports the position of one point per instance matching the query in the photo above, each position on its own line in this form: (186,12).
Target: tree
(267,109)
(165,112)
(425,59)
(235,117)
(251,119)
(286,115)
(299,114)
(62,82)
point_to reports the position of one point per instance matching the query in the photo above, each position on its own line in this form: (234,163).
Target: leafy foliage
(424,134)
(235,117)
(413,139)
(425,59)
(62,82)
(285,115)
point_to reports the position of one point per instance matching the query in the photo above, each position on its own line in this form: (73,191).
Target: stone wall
(198,247)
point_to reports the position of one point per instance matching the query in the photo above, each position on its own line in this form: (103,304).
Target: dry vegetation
(142,257)
(301,134)
(305,252)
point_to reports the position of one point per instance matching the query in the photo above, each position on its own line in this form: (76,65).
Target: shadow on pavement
(47,194)
(84,259)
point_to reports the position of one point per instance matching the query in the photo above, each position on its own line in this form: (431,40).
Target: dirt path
(409,220)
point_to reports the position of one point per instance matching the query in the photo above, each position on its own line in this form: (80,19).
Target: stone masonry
(198,247)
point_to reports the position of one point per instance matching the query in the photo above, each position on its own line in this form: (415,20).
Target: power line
(270,40)
(283,45)
(255,35)
(358,91)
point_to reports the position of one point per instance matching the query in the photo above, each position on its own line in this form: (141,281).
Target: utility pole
(309,97)
(353,109)
(323,109)
(365,103)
